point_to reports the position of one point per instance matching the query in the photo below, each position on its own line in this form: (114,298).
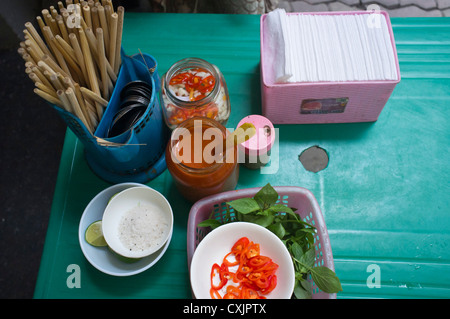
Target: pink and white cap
(264,138)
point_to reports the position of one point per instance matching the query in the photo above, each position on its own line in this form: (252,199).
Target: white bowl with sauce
(103,258)
(137,222)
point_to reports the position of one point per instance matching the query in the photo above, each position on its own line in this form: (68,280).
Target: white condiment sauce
(143,227)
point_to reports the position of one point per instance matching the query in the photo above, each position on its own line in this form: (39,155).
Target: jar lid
(264,138)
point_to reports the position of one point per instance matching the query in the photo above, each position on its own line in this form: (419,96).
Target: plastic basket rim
(250,192)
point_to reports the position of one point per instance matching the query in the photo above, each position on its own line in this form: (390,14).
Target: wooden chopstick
(73,67)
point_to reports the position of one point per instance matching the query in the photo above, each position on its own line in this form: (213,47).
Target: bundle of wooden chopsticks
(75,60)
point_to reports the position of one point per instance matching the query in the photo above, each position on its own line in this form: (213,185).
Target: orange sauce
(197,165)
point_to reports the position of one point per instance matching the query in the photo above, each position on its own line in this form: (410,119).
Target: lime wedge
(112,197)
(242,134)
(94,235)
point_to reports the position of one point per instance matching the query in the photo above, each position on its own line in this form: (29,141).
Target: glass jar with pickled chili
(194,87)
(198,160)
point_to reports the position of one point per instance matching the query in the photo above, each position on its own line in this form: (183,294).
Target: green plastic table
(385,194)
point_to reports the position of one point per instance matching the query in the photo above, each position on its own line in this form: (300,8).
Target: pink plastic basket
(298,197)
(282,103)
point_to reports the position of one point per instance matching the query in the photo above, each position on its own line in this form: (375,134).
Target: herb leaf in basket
(295,233)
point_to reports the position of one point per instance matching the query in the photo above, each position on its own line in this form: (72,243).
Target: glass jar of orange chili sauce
(198,160)
(194,87)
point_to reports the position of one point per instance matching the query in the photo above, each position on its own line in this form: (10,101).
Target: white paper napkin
(275,40)
(338,47)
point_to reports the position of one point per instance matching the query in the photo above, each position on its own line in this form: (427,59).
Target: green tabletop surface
(385,194)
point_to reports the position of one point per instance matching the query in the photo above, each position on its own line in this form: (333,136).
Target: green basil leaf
(308,230)
(280,208)
(265,212)
(300,292)
(300,276)
(296,251)
(213,223)
(326,279)
(277,229)
(307,286)
(266,196)
(244,205)
(261,220)
(308,258)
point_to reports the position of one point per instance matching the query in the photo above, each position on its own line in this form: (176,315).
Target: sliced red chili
(255,273)
(249,293)
(254,276)
(263,282)
(212,112)
(177,117)
(224,273)
(194,83)
(272,285)
(270,267)
(253,250)
(223,280)
(233,292)
(230,263)
(230,296)
(215,294)
(244,269)
(239,246)
(258,261)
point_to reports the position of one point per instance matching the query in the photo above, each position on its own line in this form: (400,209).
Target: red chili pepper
(244,269)
(224,273)
(195,114)
(211,112)
(253,250)
(254,276)
(272,285)
(177,117)
(239,246)
(255,273)
(263,282)
(249,293)
(258,261)
(233,292)
(270,267)
(197,86)
(222,278)
(215,294)
(229,263)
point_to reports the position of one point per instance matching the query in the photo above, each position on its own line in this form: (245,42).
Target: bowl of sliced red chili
(241,261)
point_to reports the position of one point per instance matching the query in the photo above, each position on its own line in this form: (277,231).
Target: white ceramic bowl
(218,243)
(101,257)
(139,198)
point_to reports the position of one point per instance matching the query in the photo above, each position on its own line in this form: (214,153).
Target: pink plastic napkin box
(349,101)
